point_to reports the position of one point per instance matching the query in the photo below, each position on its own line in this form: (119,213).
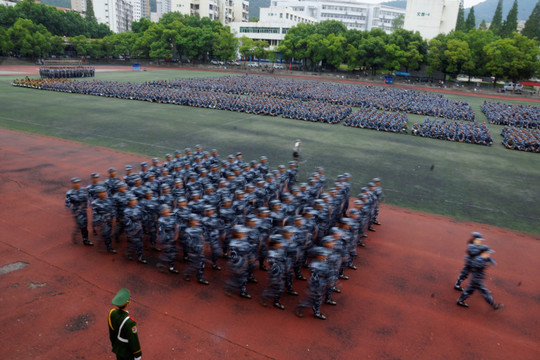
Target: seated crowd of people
(63,72)
(383,98)
(200,209)
(468,132)
(371,118)
(521,139)
(522,116)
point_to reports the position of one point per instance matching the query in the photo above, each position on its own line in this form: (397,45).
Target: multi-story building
(137,9)
(240,10)
(117,14)
(431,17)
(359,15)
(272,26)
(79,6)
(225,11)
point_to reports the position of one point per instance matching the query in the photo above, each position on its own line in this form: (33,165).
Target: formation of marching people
(253,217)
(521,139)
(470,132)
(63,72)
(309,100)
(521,116)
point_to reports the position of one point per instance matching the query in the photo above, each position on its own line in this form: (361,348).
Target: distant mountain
(399,3)
(486,9)
(255,5)
(58,3)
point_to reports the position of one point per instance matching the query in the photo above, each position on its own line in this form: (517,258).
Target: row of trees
(57,22)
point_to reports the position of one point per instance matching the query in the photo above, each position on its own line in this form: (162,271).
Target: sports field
(490,185)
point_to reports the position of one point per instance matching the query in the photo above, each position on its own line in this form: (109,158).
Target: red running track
(399,304)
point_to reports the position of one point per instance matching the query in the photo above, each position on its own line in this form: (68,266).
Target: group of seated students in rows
(468,132)
(521,139)
(522,116)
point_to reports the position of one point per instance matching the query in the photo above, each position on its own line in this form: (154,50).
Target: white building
(226,11)
(240,10)
(272,26)
(359,15)
(79,6)
(431,17)
(137,9)
(117,14)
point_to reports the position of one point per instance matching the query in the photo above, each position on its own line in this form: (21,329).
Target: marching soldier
(76,200)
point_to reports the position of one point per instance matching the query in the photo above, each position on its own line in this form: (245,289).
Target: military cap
(111,170)
(195,193)
(477,235)
(181,199)
(275,171)
(358,202)
(260,180)
(227,199)
(187,149)
(192,175)
(240,229)
(164,207)
(75,180)
(268,176)
(251,217)
(136,178)
(281,167)
(177,151)
(178,181)
(303,185)
(230,156)
(264,210)
(319,202)
(253,162)
(239,192)
(131,197)
(250,186)
(121,184)
(235,168)
(238,153)
(364,189)
(263,158)
(327,239)
(298,217)
(289,229)
(224,163)
(149,191)
(332,190)
(347,221)
(198,146)
(209,208)
(354,211)
(222,180)
(340,177)
(295,188)
(213,166)
(363,196)
(371,184)
(325,196)
(275,203)
(376,180)
(94,175)
(310,180)
(165,186)
(204,170)
(128,167)
(213,151)
(144,163)
(335,230)
(209,187)
(155,159)
(121,298)
(319,251)
(168,155)
(319,168)
(312,212)
(292,162)
(347,175)
(276,238)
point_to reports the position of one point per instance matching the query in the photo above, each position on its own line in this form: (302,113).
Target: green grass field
(489,185)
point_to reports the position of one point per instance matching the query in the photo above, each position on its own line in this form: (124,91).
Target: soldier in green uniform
(123,329)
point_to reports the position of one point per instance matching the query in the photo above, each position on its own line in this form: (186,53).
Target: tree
(477,40)
(515,58)
(435,55)
(496,22)
(398,22)
(5,42)
(90,15)
(510,25)
(140,26)
(532,25)
(246,47)
(225,44)
(29,39)
(81,44)
(460,23)
(483,25)
(458,55)
(470,23)
(259,49)
(58,45)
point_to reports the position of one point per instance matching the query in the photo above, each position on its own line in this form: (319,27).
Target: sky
(469,3)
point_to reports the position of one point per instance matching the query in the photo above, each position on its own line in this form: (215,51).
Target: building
(431,17)
(274,23)
(240,10)
(226,11)
(79,6)
(9,2)
(117,14)
(137,9)
(359,15)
